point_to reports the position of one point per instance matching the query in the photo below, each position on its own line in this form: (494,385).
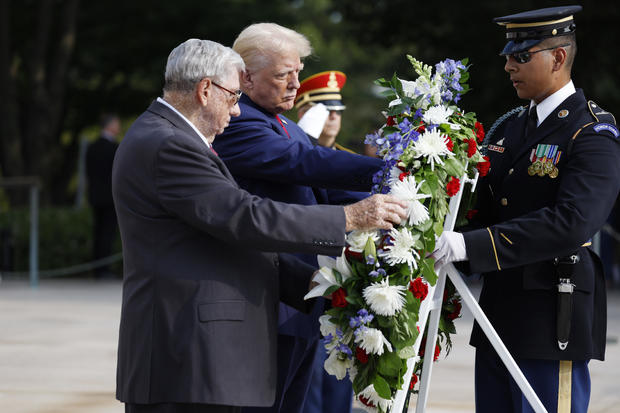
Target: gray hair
(195,59)
(257,42)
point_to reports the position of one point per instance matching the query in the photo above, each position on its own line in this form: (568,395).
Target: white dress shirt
(544,108)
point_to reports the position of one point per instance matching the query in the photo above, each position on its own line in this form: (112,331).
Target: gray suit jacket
(200,292)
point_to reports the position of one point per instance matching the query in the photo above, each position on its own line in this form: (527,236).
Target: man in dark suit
(553,181)
(200,292)
(270,156)
(99,158)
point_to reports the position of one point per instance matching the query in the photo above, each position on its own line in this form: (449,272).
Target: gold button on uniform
(510,171)
(503,201)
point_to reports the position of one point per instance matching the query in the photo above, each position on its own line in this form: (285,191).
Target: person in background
(270,156)
(99,159)
(319,102)
(201,280)
(553,181)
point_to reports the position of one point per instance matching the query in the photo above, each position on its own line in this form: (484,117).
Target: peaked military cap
(322,88)
(527,29)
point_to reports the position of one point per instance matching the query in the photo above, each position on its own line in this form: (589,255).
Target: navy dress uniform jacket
(200,295)
(528,220)
(269,162)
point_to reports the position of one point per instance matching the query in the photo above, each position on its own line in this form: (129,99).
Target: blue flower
(343,348)
(370,260)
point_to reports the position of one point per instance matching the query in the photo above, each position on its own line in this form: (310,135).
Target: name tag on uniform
(496,148)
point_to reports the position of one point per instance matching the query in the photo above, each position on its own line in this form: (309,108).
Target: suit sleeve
(191,186)
(252,149)
(587,191)
(295,276)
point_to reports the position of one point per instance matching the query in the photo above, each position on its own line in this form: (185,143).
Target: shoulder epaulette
(600,114)
(499,121)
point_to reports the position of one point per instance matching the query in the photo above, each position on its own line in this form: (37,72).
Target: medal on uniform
(544,159)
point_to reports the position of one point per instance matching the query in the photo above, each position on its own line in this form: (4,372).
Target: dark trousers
(104,234)
(180,408)
(552,381)
(327,394)
(295,358)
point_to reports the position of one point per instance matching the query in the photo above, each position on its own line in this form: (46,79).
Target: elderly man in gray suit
(201,279)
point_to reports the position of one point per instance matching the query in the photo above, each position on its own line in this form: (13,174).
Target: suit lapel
(180,123)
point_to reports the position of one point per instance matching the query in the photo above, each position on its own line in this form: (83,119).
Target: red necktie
(283,127)
(213,150)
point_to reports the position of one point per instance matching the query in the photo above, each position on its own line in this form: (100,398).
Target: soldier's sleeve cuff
(482,250)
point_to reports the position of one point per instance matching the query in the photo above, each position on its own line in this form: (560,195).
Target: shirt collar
(163,102)
(544,108)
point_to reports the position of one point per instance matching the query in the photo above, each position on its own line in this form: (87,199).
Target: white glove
(313,120)
(450,247)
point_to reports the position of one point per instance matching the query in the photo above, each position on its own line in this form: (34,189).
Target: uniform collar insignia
(563,113)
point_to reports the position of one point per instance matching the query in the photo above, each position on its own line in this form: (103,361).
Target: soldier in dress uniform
(321,88)
(553,181)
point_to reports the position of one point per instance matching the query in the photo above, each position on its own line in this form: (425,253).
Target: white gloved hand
(313,121)
(450,247)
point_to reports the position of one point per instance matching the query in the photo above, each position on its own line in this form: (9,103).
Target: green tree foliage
(64,62)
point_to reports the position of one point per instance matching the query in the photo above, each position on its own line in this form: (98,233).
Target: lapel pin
(563,113)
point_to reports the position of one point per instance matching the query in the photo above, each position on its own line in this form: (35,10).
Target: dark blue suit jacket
(268,162)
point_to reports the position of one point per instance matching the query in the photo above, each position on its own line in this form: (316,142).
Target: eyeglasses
(524,57)
(237,94)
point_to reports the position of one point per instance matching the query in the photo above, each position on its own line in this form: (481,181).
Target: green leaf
(428,272)
(389,364)
(382,387)
(337,276)
(454,167)
(330,290)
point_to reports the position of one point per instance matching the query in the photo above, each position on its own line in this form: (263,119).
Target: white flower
(370,394)
(371,340)
(407,190)
(401,250)
(352,373)
(357,239)
(432,145)
(337,364)
(326,277)
(436,115)
(326,326)
(385,299)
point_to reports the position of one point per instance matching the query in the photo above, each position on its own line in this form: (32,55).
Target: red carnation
(403,175)
(365,401)
(484,166)
(339,298)
(471,147)
(390,121)
(449,144)
(479,131)
(418,288)
(361,355)
(421,127)
(413,382)
(453,186)
(471,213)
(437,351)
(353,255)
(457,310)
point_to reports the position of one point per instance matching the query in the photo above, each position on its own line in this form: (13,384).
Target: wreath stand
(433,308)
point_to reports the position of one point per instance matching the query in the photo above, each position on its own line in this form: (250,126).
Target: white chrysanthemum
(371,340)
(394,175)
(385,299)
(357,239)
(401,251)
(436,115)
(337,365)
(370,394)
(326,277)
(407,190)
(432,146)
